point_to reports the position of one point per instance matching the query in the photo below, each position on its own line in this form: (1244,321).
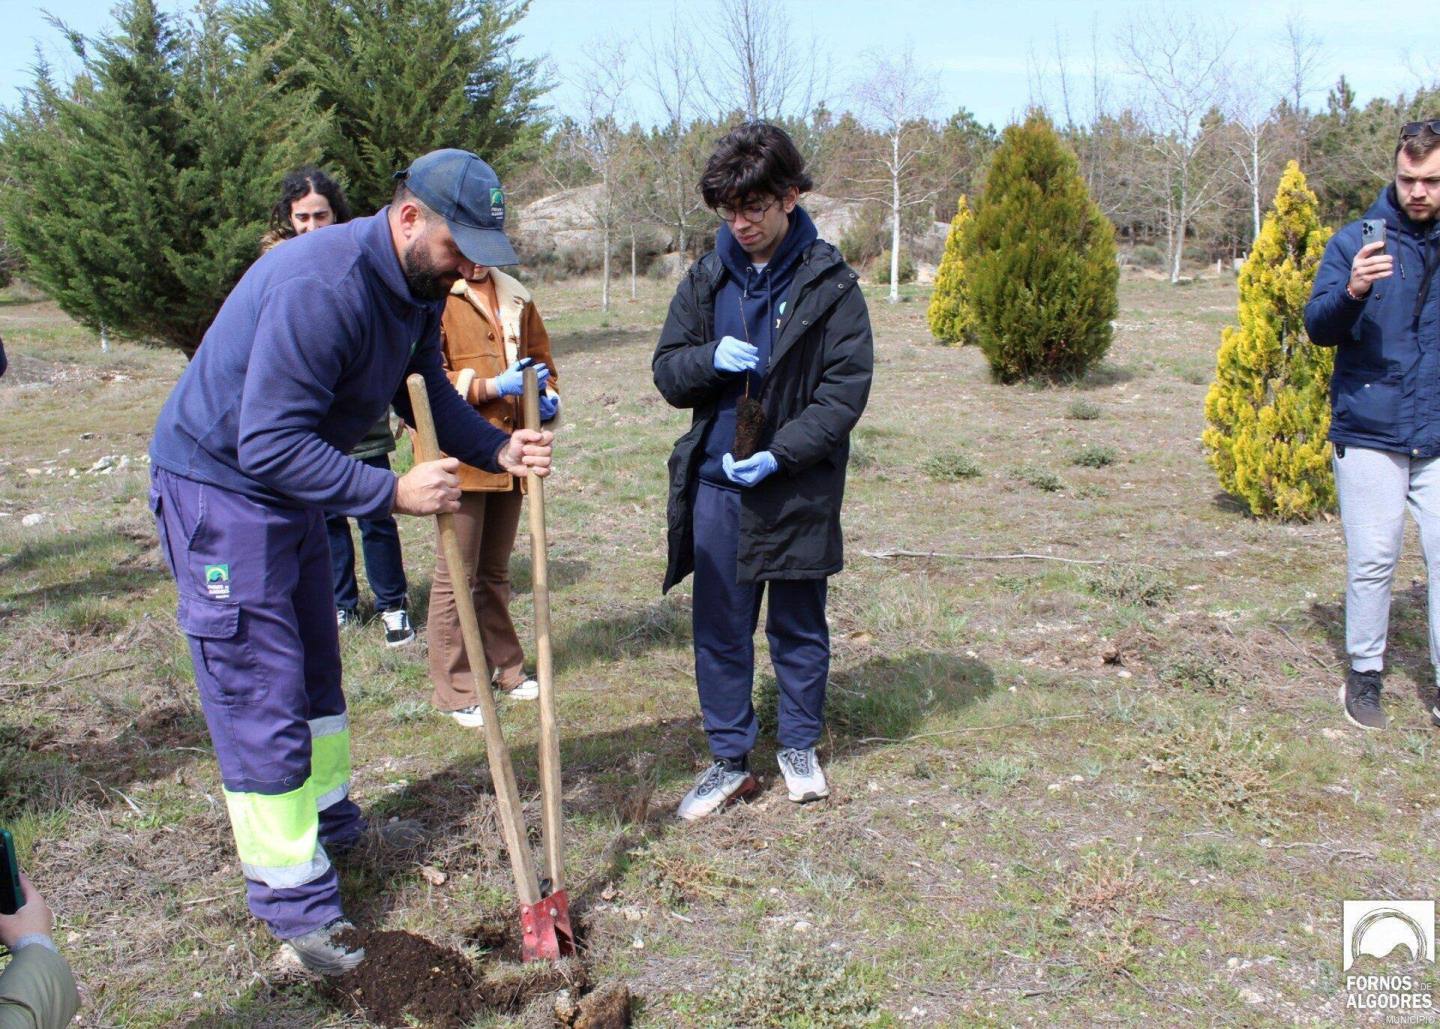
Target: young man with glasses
(1376,301)
(768,343)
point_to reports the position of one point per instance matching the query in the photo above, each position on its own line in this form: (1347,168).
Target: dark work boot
(321,951)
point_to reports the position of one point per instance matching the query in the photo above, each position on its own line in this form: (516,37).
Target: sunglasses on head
(1414,128)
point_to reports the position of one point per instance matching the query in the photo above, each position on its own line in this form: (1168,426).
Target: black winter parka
(815,390)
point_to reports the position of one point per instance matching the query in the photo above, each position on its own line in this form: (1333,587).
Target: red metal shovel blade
(546,925)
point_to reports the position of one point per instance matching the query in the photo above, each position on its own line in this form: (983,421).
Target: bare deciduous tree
(675,155)
(598,142)
(1178,64)
(896,97)
(757,66)
(1251,138)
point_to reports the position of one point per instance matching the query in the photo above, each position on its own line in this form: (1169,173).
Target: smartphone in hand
(12,898)
(1372,229)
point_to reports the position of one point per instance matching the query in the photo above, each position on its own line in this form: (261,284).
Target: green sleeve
(37,991)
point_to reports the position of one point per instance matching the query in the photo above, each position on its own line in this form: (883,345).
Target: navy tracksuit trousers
(724,619)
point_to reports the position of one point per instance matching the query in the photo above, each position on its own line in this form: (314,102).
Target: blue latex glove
(549,406)
(751,470)
(735,355)
(511,382)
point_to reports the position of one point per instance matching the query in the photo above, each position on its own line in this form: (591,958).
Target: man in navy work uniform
(772,315)
(250,451)
(1378,304)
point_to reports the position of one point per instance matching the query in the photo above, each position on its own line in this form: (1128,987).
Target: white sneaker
(527,690)
(803,775)
(720,784)
(398,632)
(471,717)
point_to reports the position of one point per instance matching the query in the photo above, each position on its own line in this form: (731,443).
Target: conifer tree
(951,320)
(1040,260)
(401,79)
(1268,410)
(138,195)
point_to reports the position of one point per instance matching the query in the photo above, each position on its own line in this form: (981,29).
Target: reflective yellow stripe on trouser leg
(330,759)
(277,836)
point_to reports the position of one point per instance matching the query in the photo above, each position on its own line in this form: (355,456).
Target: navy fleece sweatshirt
(758,298)
(308,351)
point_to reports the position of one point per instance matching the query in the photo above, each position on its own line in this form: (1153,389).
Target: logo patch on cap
(497,205)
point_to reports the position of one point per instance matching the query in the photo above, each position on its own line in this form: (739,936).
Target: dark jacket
(814,392)
(1385,391)
(309,350)
(746,306)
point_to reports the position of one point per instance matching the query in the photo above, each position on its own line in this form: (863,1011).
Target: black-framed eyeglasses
(751,212)
(1414,128)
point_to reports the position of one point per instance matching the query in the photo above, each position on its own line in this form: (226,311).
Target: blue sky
(984,55)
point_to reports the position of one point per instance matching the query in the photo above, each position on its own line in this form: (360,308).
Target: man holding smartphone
(1375,300)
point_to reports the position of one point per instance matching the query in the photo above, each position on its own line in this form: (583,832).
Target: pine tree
(951,320)
(403,77)
(138,196)
(1040,258)
(1268,411)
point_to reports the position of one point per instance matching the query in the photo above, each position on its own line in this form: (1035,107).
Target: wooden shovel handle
(502,771)
(549,750)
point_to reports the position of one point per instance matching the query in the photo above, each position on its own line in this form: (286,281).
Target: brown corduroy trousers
(485,528)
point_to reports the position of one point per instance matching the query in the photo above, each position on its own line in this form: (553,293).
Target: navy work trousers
(724,618)
(256,605)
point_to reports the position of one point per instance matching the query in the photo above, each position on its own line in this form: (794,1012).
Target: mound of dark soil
(405,976)
(406,979)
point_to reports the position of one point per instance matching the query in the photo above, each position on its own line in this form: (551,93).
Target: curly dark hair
(756,159)
(298,184)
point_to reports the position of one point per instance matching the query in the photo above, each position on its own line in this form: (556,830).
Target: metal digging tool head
(546,925)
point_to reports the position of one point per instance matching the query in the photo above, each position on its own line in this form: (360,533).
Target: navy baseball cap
(466,192)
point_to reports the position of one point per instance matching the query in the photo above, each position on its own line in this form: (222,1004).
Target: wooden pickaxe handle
(502,771)
(549,750)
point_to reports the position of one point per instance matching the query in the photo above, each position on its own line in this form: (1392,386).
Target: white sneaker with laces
(803,776)
(398,632)
(471,717)
(720,784)
(527,690)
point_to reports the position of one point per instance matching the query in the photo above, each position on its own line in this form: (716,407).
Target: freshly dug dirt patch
(406,980)
(405,977)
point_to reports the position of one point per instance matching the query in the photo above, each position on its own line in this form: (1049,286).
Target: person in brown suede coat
(489,326)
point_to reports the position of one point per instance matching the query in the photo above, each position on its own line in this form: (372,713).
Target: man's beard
(425,281)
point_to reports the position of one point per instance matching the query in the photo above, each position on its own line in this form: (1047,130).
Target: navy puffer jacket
(1385,392)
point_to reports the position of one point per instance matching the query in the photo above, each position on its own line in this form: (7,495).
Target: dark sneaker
(398,632)
(346,617)
(321,952)
(1361,698)
(724,782)
(803,776)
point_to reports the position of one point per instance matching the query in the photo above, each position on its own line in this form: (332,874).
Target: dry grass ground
(1064,793)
